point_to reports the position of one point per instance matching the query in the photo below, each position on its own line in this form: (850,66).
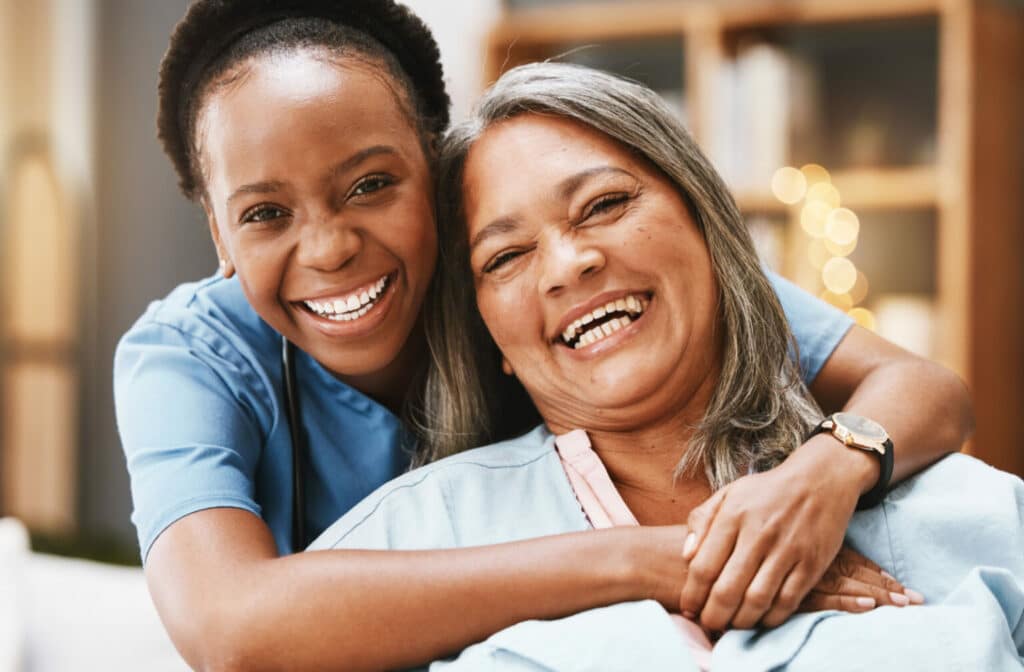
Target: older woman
(617,286)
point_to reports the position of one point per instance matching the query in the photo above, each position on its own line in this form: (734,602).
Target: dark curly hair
(217,35)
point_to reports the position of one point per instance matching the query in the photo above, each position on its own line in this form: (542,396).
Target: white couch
(63,615)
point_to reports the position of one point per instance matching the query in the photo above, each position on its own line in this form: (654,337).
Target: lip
(345,293)
(582,309)
(354,328)
(610,342)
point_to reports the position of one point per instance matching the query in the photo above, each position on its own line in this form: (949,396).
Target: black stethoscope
(291,409)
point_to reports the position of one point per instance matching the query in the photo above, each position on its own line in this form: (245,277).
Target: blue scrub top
(199,395)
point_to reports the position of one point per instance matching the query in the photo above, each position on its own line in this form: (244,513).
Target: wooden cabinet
(915,110)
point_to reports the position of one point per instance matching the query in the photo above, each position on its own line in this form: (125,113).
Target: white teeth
(352,307)
(633,306)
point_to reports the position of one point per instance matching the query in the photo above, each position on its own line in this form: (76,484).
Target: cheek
(509,315)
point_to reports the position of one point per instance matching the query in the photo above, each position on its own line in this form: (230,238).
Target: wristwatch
(855,431)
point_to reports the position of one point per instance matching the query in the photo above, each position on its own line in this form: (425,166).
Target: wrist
(856,468)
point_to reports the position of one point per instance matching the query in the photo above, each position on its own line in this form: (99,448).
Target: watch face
(861,426)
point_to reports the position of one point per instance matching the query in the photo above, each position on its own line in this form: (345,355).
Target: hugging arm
(763,541)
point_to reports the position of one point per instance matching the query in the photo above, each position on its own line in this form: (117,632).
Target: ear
(506,367)
(227,267)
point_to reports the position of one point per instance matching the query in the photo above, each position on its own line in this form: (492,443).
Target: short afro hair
(215,35)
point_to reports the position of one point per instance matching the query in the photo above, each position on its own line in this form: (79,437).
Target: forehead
(292,98)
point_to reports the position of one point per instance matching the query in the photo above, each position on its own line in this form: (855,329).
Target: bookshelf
(915,109)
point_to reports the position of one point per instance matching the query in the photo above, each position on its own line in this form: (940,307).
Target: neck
(641,460)
(392,385)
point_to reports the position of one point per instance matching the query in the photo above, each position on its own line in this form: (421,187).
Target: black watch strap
(876,494)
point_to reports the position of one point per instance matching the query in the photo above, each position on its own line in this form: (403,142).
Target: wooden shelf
(867,189)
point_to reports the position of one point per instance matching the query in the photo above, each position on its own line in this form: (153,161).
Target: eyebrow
(270,186)
(565,189)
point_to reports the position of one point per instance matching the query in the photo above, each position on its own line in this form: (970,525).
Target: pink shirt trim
(604,508)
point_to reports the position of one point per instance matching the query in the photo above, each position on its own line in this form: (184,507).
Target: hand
(855,584)
(761,543)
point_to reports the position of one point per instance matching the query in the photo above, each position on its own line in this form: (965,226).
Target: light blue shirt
(955,533)
(199,397)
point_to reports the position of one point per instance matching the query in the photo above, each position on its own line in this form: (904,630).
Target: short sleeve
(188,419)
(817,327)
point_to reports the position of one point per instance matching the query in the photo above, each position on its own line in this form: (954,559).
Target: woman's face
(590,273)
(320,197)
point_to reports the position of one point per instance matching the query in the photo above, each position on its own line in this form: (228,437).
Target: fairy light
(837,250)
(824,192)
(813,216)
(842,226)
(863,317)
(789,185)
(860,288)
(818,254)
(843,302)
(814,174)
(839,275)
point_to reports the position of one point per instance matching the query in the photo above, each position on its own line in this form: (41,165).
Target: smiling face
(320,197)
(590,273)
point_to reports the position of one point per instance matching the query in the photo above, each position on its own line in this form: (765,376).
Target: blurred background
(874,146)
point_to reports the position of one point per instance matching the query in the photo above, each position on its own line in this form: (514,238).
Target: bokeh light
(789,185)
(842,226)
(823,192)
(818,254)
(814,174)
(837,250)
(860,288)
(839,275)
(863,317)
(841,301)
(813,216)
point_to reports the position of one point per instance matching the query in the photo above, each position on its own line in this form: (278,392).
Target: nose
(566,261)
(327,244)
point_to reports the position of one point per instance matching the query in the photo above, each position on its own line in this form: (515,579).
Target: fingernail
(914,596)
(888,575)
(866,602)
(690,615)
(689,544)
(899,599)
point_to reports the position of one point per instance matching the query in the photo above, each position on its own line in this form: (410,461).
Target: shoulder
(486,495)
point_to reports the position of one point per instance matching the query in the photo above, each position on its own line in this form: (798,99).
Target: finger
(852,587)
(761,593)
(729,588)
(706,565)
(859,567)
(699,521)
(795,587)
(816,601)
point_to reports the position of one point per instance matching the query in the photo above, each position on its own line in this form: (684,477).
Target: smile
(604,321)
(351,307)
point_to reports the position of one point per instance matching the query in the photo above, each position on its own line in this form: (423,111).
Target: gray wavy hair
(759,411)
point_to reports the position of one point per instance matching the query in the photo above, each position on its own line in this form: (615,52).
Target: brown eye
(606,204)
(372,184)
(263,213)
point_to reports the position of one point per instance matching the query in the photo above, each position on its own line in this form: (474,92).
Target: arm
(230,603)
(775,533)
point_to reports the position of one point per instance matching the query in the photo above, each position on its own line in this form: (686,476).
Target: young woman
(306,130)
(618,283)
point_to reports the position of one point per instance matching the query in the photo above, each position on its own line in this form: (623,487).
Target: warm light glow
(824,192)
(841,301)
(813,216)
(860,289)
(839,275)
(815,174)
(837,250)
(789,185)
(842,226)
(817,254)
(863,317)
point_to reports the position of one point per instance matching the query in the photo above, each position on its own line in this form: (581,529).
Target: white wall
(461,29)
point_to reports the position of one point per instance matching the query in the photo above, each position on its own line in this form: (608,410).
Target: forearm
(924,408)
(393,609)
